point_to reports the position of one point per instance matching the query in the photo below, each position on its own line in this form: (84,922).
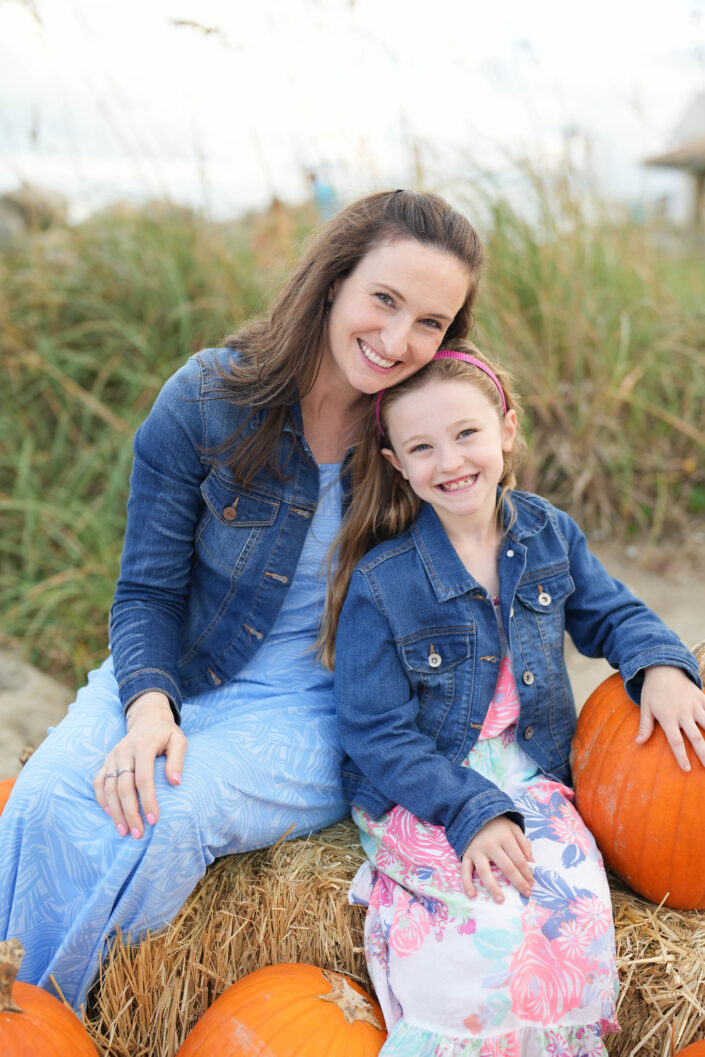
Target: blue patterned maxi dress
(262,755)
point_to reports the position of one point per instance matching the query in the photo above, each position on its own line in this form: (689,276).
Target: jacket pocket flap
(548,594)
(435,651)
(233,506)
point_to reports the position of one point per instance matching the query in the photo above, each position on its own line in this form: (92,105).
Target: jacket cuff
(476,813)
(145,680)
(671,657)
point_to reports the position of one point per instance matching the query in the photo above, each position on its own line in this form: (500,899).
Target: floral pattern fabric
(472,978)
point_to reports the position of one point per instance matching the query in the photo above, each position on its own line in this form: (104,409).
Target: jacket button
(529,733)
(510,554)
(511,612)
(230,513)
(434,659)
(544,599)
(527,678)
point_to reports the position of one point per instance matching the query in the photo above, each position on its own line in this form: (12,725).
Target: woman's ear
(331,293)
(391,457)
(509,430)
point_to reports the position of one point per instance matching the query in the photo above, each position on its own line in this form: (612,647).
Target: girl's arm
(604,619)
(378,715)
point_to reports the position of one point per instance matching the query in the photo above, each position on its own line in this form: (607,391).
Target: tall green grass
(604,329)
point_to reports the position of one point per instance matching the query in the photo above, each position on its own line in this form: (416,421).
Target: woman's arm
(162,514)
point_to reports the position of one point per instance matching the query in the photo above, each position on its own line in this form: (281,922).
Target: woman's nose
(395,338)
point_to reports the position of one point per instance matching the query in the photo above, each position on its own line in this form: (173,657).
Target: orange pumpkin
(32,1021)
(643,810)
(5,789)
(289,1011)
(696,1049)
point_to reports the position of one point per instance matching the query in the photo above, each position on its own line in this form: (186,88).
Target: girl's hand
(502,842)
(151,732)
(670,697)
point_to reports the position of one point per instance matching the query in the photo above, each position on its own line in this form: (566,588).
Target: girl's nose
(449,458)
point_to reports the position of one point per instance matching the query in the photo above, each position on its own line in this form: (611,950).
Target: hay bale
(289,903)
(661,963)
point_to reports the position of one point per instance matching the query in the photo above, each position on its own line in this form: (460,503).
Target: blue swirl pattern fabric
(262,755)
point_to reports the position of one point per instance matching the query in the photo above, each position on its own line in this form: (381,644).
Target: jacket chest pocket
(542,609)
(433,660)
(232,523)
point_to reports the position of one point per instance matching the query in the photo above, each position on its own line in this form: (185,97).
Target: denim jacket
(418,650)
(206,564)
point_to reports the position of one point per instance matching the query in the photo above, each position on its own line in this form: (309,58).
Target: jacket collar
(447,574)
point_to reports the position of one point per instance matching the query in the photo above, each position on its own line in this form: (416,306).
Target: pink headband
(451,354)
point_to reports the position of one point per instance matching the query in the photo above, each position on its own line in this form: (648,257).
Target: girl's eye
(420,447)
(467,432)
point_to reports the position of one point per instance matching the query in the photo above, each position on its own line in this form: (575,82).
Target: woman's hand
(128,770)
(502,842)
(670,697)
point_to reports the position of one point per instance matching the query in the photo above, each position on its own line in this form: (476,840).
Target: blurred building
(688,155)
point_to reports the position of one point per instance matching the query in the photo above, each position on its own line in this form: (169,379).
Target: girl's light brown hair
(279,356)
(383,502)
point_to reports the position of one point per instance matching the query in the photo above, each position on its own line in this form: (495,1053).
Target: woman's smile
(374,357)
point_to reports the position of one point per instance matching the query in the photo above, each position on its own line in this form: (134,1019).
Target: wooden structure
(689,158)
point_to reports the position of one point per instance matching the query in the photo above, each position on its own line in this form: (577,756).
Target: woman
(235,494)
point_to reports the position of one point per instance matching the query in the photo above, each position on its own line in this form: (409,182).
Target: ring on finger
(124,770)
(113,774)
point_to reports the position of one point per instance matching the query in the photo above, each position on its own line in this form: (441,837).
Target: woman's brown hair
(383,502)
(279,356)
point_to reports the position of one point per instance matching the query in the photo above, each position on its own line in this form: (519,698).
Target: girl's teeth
(373,357)
(453,486)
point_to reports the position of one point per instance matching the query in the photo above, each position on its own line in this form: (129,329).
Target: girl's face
(448,441)
(388,317)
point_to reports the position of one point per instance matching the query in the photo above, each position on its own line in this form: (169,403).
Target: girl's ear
(391,457)
(509,430)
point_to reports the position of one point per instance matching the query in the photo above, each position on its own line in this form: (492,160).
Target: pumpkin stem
(353,1005)
(11,955)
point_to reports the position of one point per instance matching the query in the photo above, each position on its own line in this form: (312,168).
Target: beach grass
(602,321)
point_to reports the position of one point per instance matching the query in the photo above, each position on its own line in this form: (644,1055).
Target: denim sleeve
(604,619)
(162,511)
(377,715)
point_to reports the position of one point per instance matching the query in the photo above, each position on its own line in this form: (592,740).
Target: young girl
(489,928)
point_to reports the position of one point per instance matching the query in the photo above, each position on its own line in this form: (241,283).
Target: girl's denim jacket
(418,651)
(206,564)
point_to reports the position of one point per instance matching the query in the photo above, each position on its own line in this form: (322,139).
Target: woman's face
(388,317)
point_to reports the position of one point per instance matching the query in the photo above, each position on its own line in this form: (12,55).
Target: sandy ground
(30,701)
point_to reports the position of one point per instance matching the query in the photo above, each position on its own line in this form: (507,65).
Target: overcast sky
(129,98)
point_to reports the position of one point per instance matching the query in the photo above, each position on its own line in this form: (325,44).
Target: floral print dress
(472,978)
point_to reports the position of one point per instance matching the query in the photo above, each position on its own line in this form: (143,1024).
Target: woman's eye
(433,323)
(386,299)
